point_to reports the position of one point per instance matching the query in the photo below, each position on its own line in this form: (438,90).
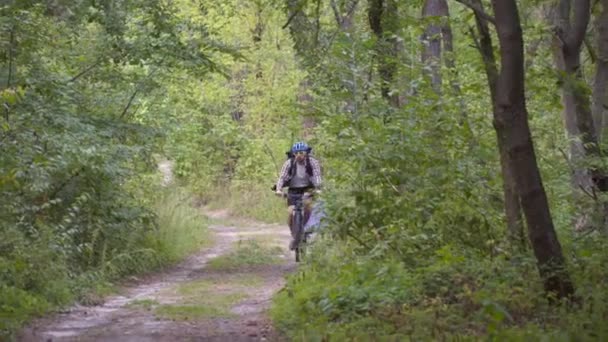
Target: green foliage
(94,93)
(37,276)
(182,229)
(339,295)
(229,139)
(78,132)
(416,244)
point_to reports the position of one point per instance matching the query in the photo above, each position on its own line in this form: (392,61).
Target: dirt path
(221,293)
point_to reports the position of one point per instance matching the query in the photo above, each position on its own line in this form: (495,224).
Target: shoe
(292,244)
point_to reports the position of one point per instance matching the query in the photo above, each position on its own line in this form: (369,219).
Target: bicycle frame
(298,223)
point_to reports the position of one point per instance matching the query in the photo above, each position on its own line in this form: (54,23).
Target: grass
(230,221)
(209,298)
(38,274)
(182,228)
(258,204)
(216,306)
(188,312)
(94,294)
(199,288)
(146,304)
(247,253)
(270,240)
(341,296)
(254,202)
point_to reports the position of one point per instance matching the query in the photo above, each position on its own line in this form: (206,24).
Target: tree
(437,32)
(568,42)
(600,88)
(483,42)
(383,20)
(511,122)
(571,27)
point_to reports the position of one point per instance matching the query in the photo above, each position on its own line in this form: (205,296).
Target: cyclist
(301,173)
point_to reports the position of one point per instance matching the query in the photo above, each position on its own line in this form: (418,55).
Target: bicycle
(299,234)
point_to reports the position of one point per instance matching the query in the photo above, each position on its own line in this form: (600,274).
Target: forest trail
(221,293)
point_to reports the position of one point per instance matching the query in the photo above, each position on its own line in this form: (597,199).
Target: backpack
(292,169)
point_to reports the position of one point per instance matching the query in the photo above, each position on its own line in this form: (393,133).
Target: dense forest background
(462,145)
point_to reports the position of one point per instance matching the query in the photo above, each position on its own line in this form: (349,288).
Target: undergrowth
(37,277)
(251,202)
(258,203)
(340,296)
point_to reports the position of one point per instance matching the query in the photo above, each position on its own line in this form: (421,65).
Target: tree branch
(487,51)
(83,72)
(350,9)
(590,49)
(475,39)
(10,58)
(359,241)
(336,11)
(124,111)
(532,52)
(317,22)
(137,89)
(353,6)
(291,17)
(478,10)
(296,6)
(66,182)
(580,21)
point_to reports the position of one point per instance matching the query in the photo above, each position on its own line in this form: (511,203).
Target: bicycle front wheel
(298,228)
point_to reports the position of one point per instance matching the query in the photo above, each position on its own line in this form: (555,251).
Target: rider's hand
(279,193)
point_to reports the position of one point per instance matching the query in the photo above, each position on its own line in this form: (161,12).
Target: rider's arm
(284,175)
(316,173)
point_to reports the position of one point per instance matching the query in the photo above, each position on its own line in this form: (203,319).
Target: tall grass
(259,204)
(182,229)
(252,201)
(249,201)
(341,295)
(36,278)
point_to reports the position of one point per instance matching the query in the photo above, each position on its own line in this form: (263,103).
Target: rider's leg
(307,209)
(290,218)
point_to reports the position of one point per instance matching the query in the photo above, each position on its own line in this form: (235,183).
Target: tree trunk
(257,34)
(299,25)
(344,16)
(571,31)
(434,11)
(450,62)
(305,101)
(439,46)
(515,225)
(305,34)
(511,122)
(580,177)
(383,20)
(600,88)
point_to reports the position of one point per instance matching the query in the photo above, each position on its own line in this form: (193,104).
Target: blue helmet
(299,147)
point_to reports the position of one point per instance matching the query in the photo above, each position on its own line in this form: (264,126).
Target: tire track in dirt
(121,318)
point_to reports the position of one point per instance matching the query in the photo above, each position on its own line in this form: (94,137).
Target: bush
(37,275)
(338,295)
